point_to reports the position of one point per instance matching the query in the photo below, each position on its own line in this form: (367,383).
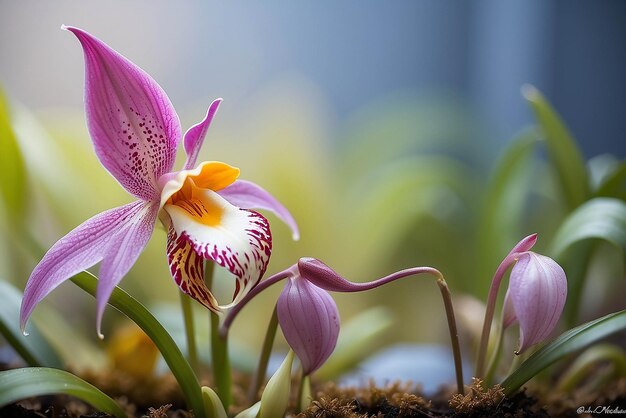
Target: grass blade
(174,358)
(35,381)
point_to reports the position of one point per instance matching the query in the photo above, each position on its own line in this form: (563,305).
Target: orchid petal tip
(100,336)
(24,333)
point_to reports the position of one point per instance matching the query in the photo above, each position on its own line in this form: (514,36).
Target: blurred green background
(377,125)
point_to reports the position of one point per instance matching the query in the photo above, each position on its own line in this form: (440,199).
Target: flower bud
(535,298)
(309,319)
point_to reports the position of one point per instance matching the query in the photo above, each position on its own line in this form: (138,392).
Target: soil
(396,400)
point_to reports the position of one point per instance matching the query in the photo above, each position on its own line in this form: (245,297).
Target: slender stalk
(345,286)
(304,393)
(264,284)
(266,351)
(220,362)
(454,335)
(192,348)
(489,312)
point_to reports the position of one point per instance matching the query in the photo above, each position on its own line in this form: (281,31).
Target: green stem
(496,357)
(266,351)
(192,349)
(304,393)
(220,361)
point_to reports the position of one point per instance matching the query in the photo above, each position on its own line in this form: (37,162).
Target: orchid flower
(206,210)
(535,297)
(308,315)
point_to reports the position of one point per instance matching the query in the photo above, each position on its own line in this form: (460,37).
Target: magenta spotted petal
(309,320)
(537,293)
(134,128)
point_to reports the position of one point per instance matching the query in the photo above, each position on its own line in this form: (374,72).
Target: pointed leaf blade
(564,153)
(567,343)
(600,218)
(35,381)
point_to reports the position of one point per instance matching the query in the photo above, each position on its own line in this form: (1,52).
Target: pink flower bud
(309,319)
(535,298)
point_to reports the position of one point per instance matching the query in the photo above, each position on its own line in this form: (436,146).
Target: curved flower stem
(220,362)
(341,285)
(346,286)
(454,335)
(192,349)
(230,317)
(261,371)
(489,312)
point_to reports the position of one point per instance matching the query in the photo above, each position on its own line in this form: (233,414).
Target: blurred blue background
(354,52)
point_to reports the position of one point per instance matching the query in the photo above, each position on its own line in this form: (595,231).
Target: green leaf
(503,205)
(614,184)
(12,172)
(601,218)
(35,381)
(564,154)
(34,349)
(172,355)
(567,343)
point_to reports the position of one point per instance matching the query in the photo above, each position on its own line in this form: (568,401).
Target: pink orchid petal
(194,137)
(80,249)
(537,290)
(134,128)
(525,244)
(309,319)
(237,239)
(248,195)
(187,269)
(128,244)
